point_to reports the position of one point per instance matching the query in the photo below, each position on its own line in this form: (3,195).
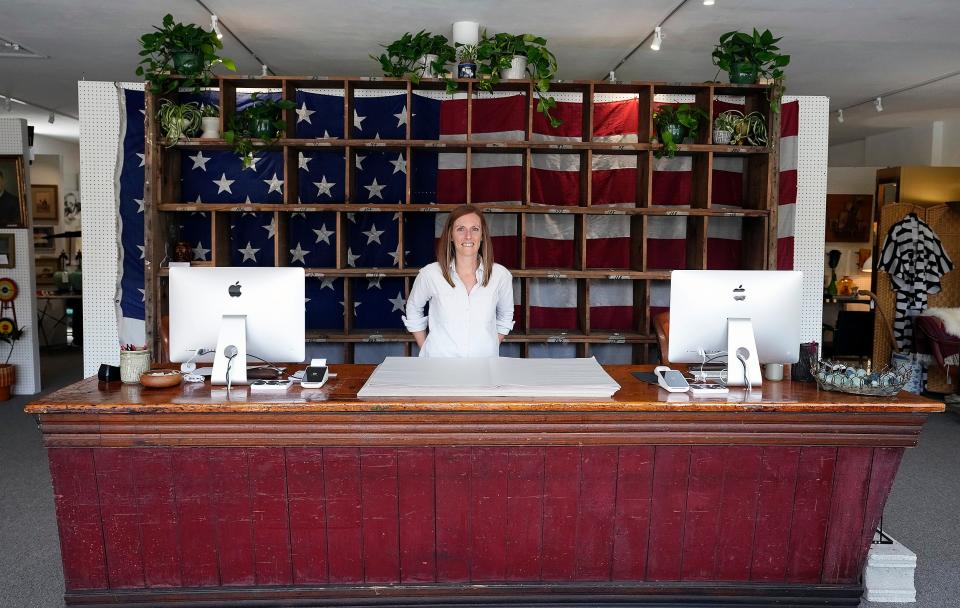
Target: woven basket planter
(8,374)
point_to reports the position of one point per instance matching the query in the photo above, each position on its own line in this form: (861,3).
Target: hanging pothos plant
(262,119)
(495,55)
(178,49)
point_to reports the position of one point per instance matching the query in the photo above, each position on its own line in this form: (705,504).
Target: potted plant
(744,130)
(466,61)
(262,119)
(186,50)
(9,333)
(516,56)
(210,120)
(178,120)
(745,57)
(416,56)
(673,124)
(723,127)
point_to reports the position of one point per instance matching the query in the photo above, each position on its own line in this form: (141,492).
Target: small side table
(70,318)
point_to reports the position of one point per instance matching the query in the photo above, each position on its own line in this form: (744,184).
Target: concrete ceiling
(848,50)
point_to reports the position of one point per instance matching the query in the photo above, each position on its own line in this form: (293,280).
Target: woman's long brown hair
(445,250)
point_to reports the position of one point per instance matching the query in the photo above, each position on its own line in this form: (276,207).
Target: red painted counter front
(182,498)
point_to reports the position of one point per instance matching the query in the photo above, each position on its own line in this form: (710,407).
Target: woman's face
(467,235)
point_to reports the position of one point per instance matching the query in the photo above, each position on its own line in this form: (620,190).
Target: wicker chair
(930,338)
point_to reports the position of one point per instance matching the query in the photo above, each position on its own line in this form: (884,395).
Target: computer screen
(269,301)
(702,302)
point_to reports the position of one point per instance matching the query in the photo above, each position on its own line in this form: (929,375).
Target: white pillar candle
(466,32)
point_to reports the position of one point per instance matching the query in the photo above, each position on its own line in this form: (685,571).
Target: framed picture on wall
(848,218)
(45,202)
(42,244)
(71,210)
(8,250)
(13,208)
(45,268)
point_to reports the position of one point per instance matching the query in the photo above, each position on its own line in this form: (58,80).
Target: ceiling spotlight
(263,70)
(709,2)
(657,39)
(878,104)
(51,118)
(840,115)
(215,24)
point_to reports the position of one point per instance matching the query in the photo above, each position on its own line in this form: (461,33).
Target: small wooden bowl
(160,378)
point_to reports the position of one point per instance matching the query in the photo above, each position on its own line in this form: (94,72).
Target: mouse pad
(649,377)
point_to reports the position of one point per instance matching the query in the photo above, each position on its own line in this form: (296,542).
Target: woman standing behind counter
(470,296)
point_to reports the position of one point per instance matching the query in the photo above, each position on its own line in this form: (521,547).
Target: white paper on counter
(488,377)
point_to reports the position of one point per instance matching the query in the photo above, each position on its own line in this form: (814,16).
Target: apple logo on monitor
(234,290)
(740,294)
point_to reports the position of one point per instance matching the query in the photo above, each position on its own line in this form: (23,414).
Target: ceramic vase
(211,127)
(517,70)
(132,364)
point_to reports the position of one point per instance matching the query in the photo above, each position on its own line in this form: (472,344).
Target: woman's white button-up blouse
(461,324)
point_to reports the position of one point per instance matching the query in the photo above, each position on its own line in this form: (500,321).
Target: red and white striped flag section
(555,180)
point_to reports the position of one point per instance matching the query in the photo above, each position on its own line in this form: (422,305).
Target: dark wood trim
(354,207)
(594,595)
(462,428)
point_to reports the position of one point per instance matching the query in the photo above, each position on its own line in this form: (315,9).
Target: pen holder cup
(132,364)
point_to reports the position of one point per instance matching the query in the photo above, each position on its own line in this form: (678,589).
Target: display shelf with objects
(589,222)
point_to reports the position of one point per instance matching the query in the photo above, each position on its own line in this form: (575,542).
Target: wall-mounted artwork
(45,267)
(848,218)
(45,202)
(8,250)
(13,208)
(71,210)
(41,241)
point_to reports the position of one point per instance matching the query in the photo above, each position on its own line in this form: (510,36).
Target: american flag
(440,177)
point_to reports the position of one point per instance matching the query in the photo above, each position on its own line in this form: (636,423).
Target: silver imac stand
(233,332)
(742,353)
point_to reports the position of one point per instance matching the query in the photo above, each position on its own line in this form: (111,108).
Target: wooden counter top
(340,395)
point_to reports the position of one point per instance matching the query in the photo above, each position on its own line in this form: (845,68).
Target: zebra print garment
(914,257)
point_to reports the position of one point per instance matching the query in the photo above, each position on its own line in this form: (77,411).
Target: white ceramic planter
(132,364)
(518,69)
(722,138)
(211,127)
(425,63)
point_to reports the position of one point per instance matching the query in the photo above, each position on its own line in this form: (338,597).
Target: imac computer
(232,312)
(751,315)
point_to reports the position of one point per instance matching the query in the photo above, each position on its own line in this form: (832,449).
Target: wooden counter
(196,497)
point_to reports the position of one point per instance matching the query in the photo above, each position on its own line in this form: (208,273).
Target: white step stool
(889,574)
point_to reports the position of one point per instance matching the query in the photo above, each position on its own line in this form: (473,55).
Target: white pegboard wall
(99,145)
(26,351)
(811,209)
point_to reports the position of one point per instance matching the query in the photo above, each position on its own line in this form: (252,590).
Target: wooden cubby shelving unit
(759,200)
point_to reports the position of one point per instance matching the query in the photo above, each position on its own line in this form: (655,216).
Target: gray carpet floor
(922,512)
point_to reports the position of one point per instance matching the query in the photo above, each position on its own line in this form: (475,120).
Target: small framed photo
(8,250)
(45,267)
(848,218)
(45,202)
(13,207)
(41,242)
(71,210)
